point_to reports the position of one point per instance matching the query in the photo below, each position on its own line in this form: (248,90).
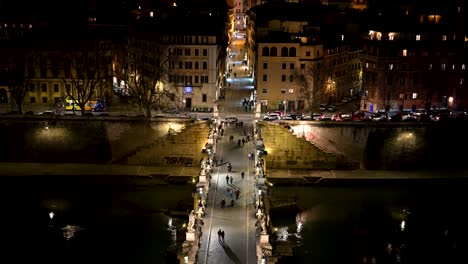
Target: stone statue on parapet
(191,223)
(263,224)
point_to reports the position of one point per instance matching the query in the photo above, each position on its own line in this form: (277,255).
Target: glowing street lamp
(51,215)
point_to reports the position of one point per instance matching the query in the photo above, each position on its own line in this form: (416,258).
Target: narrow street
(238,222)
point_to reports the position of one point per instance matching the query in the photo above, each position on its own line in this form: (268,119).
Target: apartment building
(414,57)
(297,64)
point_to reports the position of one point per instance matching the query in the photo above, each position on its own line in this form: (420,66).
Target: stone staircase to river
(176,148)
(288,150)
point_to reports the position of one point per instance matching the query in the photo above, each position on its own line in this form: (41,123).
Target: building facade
(415,58)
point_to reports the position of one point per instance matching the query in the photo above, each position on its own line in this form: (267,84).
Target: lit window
(379,35)
(342,37)
(405,53)
(462,81)
(391,36)
(401,96)
(430,66)
(151,14)
(459,9)
(444,37)
(463,67)
(367,65)
(466,38)
(30,25)
(414,96)
(442,66)
(418,37)
(283,90)
(390,66)
(453,67)
(291,91)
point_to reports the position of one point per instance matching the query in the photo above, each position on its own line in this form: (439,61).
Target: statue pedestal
(263,238)
(190,236)
(202,178)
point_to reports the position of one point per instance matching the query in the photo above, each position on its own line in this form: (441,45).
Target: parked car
(341,117)
(272,117)
(322,107)
(331,108)
(293,116)
(379,117)
(229,119)
(317,116)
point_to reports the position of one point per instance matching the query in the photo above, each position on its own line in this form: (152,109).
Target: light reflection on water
(348,225)
(108,223)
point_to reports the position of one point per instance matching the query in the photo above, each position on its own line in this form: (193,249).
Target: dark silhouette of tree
(387,90)
(311,86)
(148,75)
(85,70)
(20,71)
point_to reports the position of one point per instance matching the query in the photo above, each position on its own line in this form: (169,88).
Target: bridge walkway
(238,222)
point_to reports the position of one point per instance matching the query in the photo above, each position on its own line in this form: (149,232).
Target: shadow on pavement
(230,254)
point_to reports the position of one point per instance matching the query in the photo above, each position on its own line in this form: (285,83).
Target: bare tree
(387,91)
(20,72)
(311,89)
(148,76)
(85,71)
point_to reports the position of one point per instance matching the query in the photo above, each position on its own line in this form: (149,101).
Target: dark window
(284,52)
(283,78)
(203,97)
(265,65)
(291,66)
(56,88)
(265,51)
(308,53)
(44,87)
(205,65)
(292,52)
(196,65)
(283,66)
(196,78)
(197,51)
(205,52)
(291,78)
(33,100)
(31,87)
(44,100)
(265,78)
(302,66)
(274,52)
(264,90)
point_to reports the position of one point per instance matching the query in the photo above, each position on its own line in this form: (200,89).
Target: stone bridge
(364,145)
(100,140)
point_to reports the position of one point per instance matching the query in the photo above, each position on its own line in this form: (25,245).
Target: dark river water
(117,221)
(355,222)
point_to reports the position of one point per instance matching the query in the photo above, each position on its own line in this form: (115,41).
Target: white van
(230,119)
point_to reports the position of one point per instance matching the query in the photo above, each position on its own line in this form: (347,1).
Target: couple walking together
(221,235)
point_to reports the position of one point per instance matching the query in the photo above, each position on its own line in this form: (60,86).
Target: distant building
(299,56)
(196,45)
(414,56)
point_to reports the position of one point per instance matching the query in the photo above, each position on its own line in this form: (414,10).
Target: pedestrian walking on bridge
(227,179)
